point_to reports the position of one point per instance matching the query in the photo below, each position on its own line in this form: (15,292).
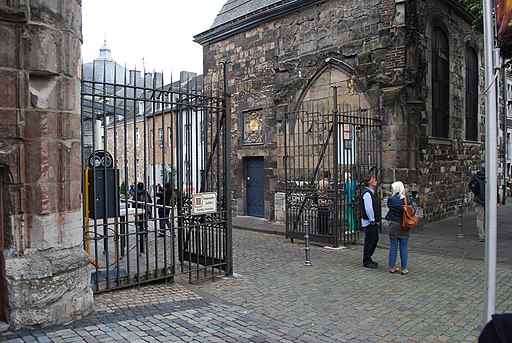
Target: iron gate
(341,143)
(155,184)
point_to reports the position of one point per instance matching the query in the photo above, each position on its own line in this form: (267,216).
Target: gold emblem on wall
(252,128)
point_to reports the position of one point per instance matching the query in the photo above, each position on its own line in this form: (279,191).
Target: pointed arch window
(440,84)
(471,95)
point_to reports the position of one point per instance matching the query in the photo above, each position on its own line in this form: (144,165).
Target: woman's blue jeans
(404,251)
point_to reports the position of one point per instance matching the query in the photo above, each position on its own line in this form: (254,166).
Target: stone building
(44,271)
(418,63)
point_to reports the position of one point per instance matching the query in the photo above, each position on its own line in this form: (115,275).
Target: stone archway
(334,73)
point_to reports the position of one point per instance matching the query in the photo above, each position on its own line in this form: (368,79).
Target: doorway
(255,182)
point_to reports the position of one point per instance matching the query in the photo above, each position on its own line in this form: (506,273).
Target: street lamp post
(490,166)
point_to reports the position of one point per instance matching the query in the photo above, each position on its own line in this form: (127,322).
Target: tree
(476,9)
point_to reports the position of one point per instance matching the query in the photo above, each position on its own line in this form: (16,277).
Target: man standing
(370,219)
(477,186)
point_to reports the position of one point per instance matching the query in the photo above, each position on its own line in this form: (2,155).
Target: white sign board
(203,203)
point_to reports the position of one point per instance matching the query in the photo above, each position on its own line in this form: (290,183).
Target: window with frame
(140,108)
(161,137)
(440,84)
(159,103)
(471,95)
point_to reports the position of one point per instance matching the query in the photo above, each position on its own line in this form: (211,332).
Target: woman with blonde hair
(398,236)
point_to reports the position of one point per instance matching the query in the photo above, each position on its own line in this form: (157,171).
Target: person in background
(350,201)
(398,236)
(370,219)
(324,203)
(142,200)
(477,186)
(132,190)
(164,196)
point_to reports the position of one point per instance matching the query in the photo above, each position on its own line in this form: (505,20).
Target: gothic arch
(332,72)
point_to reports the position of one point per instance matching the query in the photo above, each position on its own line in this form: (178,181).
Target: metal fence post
(307,262)
(460,235)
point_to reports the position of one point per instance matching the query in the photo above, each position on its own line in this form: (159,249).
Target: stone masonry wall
(444,165)
(46,271)
(273,63)
(385,46)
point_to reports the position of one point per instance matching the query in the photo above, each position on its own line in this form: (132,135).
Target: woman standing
(398,236)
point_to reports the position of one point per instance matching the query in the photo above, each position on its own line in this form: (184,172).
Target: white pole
(490,166)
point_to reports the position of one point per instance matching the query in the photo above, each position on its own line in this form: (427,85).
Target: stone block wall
(273,63)
(445,165)
(45,272)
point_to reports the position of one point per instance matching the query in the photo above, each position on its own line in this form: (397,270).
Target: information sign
(203,203)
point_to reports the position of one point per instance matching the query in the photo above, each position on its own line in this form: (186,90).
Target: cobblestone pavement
(273,297)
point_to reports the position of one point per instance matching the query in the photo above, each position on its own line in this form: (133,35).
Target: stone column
(45,272)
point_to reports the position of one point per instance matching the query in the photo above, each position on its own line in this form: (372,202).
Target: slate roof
(234,9)
(241,15)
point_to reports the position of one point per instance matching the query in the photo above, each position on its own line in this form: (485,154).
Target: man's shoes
(372,265)
(481,239)
(161,235)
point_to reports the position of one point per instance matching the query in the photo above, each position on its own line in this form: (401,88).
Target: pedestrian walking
(132,190)
(370,219)
(164,196)
(324,203)
(142,199)
(398,236)
(477,186)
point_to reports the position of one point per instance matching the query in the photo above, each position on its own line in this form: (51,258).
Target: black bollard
(307,262)
(460,235)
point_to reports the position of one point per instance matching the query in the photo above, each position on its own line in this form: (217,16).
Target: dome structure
(104,69)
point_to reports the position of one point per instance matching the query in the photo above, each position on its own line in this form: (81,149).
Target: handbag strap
(405,199)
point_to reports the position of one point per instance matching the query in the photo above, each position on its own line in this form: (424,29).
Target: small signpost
(203,203)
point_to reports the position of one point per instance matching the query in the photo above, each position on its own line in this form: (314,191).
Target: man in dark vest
(370,219)
(477,186)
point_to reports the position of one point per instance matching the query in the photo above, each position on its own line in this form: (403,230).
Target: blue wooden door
(255,186)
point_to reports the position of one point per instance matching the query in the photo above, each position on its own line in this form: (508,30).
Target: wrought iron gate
(339,143)
(155,180)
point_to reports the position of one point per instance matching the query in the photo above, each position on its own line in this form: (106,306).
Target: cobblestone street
(273,297)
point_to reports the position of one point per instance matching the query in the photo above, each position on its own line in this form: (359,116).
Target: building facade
(417,63)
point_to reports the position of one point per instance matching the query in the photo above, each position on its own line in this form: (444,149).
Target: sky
(157,34)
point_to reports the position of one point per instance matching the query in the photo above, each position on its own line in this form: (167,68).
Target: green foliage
(122,190)
(476,8)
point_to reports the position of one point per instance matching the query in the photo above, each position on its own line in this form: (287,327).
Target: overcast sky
(160,32)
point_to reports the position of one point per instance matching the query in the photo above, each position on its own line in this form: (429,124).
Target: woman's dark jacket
(395,215)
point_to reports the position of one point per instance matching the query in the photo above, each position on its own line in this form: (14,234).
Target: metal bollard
(307,262)
(460,235)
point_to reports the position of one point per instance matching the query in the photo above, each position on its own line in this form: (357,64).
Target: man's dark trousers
(371,237)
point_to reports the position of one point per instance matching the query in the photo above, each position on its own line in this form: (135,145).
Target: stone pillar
(45,272)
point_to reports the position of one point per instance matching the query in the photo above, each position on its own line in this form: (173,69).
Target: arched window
(471,95)
(440,84)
